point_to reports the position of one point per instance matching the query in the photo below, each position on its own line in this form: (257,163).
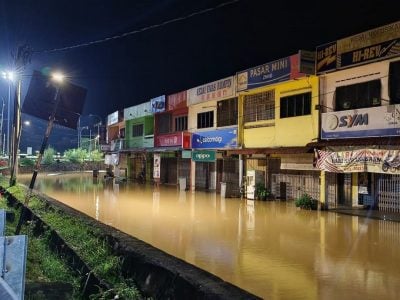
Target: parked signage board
(157,164)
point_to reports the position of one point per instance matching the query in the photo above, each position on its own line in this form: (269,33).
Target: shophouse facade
(171,138)
(360,129)
(213,124)
(277,119)
(115,141)
(139,139)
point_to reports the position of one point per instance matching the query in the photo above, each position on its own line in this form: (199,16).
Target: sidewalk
(369,213)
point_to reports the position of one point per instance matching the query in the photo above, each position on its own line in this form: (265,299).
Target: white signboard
(360,123)
(156,168)
(217,90)
(112,118)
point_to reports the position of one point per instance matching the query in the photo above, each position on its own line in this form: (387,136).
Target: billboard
(216,90)
(276,71)
(379,43)
(215,139)
(360,123)
(359,160)
(158,104)
(39,100)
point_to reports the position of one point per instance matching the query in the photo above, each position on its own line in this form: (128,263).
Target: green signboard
(203,155)
(186,154)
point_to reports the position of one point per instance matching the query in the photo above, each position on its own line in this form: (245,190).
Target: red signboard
(177,100)
(168,140)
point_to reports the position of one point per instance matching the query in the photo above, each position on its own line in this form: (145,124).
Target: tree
(48,156)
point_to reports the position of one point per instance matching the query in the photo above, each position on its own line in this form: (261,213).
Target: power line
(125,34)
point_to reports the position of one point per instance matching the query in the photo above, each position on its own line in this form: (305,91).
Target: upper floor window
(295,105)
(227,112)
(181,123)
(394,82)
(137,130)
(259,106)
(164,123)
(205,119)
(359,95)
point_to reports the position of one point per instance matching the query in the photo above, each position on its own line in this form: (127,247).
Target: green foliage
(76,155)
(261,192)
(48,156)
(96,155)
(27,162)
(86,242)
(305,201)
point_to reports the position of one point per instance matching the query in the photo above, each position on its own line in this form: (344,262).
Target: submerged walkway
(369,213)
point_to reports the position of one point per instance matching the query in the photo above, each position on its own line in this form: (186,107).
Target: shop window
(295,105)
(122,133)
(359,95)
(259,106)
(137,130)
(394,82)
(227,112)
(164,123)
(181,123)
(205,119)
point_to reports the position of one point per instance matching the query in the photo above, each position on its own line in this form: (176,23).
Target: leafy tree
(96,155)
(48,156)
(76,155)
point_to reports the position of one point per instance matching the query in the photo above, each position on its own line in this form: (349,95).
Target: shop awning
(279,150)
(377,141)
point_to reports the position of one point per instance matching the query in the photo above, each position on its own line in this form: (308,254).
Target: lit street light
(57,79)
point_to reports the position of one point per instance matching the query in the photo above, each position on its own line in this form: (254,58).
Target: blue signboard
(215,139)
(158,104)
(272,72)
(326,57)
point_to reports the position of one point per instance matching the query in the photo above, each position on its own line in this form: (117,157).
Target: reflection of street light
(27,122)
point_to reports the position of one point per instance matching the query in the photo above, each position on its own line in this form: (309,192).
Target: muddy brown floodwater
(271,249)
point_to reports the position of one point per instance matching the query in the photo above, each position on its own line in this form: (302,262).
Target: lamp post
(97,124)
(9,76)
(57,78)
(80,135)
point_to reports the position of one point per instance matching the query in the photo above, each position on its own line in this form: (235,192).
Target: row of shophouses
(325,123)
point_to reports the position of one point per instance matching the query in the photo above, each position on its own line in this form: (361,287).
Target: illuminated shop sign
(215,139)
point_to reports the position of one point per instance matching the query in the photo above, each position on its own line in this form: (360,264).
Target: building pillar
(192,175)
(323,197)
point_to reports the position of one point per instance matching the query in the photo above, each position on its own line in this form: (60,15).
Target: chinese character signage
(360,123)
(177,100)
(215,139)
(217,90)
(168,140)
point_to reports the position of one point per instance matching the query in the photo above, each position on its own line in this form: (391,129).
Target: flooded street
(271,249)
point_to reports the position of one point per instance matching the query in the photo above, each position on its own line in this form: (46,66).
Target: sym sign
(359,123)
(215,139)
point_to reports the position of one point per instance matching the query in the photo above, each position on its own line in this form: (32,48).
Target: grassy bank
(44,265)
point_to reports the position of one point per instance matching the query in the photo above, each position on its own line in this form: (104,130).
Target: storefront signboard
(203,155)
(215,139)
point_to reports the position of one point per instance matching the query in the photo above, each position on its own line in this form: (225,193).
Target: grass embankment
(46,266)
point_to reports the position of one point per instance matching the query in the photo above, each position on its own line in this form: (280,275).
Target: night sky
(177,56)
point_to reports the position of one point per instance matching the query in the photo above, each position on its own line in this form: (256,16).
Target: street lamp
(80,135)
(97,124)
(9,76)
(57,78)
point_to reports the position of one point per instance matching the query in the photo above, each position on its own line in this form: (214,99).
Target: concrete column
(192,175)
(323,197)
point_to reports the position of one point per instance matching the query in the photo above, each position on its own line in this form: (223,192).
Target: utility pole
(21,58)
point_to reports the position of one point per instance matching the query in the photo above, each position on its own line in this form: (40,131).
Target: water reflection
(268,248)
